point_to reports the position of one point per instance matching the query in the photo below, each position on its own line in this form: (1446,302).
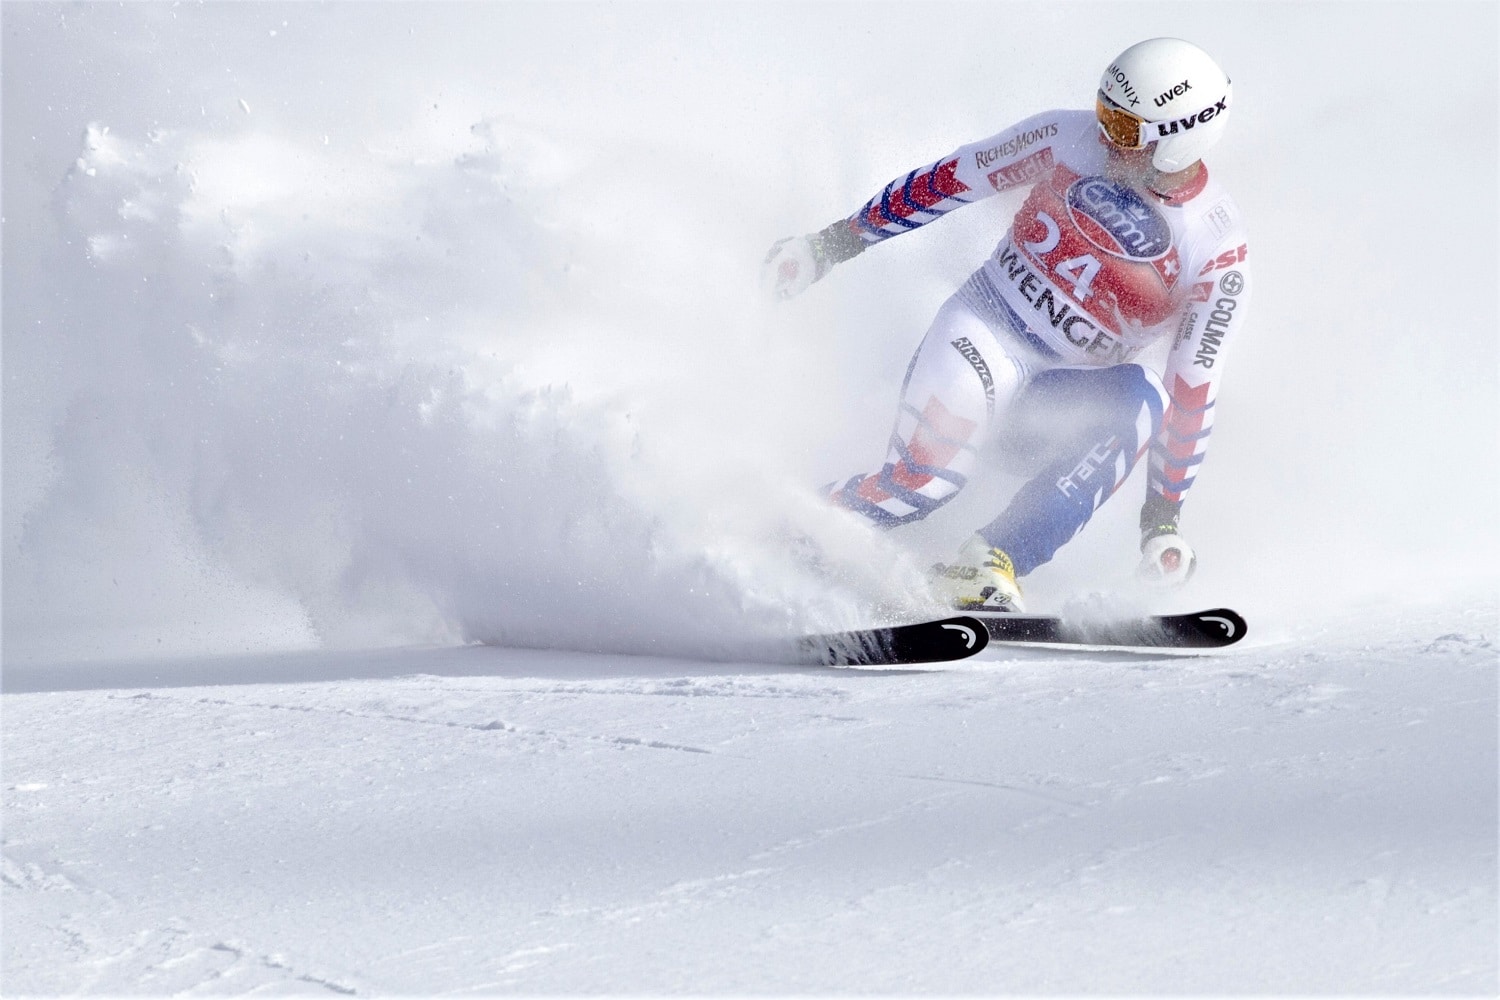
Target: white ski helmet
(1169,92)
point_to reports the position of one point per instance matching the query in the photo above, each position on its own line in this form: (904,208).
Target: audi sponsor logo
(1219,220)
(1023,171)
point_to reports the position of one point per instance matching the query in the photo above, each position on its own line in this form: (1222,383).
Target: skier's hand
(1167,560)
(791,267)
(797,261)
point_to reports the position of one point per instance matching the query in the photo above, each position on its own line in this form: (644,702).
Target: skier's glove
(797,261)
(1166,557)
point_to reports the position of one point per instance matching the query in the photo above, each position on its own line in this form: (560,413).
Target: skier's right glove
(797,261)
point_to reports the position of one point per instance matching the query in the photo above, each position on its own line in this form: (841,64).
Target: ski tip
(936,641)
(1222,625)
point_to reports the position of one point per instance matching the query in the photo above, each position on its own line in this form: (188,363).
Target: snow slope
(337,337)
(1314,816)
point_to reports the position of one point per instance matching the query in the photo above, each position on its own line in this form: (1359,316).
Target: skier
(1123,240)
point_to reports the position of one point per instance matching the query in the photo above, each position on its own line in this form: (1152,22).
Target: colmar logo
(1217,325)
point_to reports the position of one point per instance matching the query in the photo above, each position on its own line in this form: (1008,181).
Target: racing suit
(1035,351)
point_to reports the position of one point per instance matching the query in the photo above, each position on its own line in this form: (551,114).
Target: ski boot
(980,578)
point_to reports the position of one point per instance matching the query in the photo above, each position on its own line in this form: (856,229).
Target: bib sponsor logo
(1015,144)
(1023,171)
(1232,283)
(1117,220)
(1077,328)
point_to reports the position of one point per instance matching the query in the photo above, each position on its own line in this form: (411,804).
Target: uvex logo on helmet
(1177,91)
(1172,127)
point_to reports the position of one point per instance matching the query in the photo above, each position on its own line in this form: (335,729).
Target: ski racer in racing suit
(1124,239)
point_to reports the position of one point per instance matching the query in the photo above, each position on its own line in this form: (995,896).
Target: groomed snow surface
(409,499)
(1316,815)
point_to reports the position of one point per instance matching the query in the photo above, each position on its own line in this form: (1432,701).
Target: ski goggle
(1123,128)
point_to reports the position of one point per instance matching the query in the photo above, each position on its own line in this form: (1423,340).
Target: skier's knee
(1154,386)
(1152,394)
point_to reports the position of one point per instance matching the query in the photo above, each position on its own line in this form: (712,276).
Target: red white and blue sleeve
(1213,318)
(922,196)
(1017,156)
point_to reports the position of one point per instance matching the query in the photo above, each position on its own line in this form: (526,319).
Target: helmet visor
(1123,128)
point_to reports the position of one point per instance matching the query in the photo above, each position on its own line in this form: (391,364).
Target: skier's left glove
(797,261)
(1166,557)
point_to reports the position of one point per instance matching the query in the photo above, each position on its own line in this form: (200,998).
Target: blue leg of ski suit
(1088,426)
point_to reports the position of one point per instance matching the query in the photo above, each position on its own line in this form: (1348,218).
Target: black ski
(923,642)
(965,635)
(1196,630)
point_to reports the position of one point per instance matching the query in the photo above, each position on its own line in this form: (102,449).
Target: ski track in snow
(1284,818)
